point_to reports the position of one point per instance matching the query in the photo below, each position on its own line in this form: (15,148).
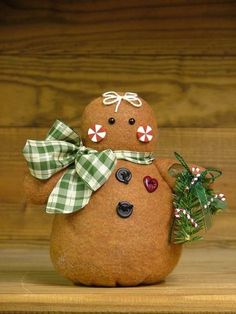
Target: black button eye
(111,120)
(131,121)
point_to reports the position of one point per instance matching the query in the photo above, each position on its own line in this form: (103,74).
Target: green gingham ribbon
(87,169)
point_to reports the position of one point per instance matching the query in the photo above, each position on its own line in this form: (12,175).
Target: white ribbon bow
(114,98)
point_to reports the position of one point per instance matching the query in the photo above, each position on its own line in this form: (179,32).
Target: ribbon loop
(112,97)
(60,131)
(45,158)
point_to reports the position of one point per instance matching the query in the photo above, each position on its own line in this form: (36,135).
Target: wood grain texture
(20,222)
(203,282)
(125,27)
(184,91)
(55,56)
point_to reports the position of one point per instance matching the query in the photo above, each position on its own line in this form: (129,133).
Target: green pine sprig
(194,201)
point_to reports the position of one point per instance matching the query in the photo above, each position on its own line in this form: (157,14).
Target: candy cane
(220,196)
(178,210)
(196,173)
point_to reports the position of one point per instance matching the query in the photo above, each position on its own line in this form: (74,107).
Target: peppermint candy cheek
(144,133)
(97,133)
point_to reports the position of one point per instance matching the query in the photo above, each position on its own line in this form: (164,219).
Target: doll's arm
(37,191)
(164,164)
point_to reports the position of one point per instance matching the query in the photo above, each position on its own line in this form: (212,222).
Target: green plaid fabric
(87,169)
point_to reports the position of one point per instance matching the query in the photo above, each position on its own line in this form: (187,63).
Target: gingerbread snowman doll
(112,199)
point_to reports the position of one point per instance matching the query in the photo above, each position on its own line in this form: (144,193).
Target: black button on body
(123,175)
(124,209)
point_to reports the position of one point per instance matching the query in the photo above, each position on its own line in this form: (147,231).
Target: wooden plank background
(134,27)
(55,56)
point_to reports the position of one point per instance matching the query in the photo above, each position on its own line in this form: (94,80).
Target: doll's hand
(164,165)
(37,191)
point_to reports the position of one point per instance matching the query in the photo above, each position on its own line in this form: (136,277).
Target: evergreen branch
(195,203)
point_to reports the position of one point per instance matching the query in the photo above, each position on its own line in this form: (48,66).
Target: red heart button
(150,183)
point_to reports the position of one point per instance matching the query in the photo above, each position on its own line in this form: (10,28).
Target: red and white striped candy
(184,211)
(144,133)
(97,133)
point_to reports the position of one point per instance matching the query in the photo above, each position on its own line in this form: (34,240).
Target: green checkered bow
(87,169)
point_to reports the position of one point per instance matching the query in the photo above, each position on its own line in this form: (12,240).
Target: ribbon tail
(95,169)
(69,195)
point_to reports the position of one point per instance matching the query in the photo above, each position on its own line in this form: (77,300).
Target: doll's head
(119,123)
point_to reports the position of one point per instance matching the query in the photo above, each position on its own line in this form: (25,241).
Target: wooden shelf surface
(203,282)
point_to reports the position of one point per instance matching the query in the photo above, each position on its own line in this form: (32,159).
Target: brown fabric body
(97,247)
